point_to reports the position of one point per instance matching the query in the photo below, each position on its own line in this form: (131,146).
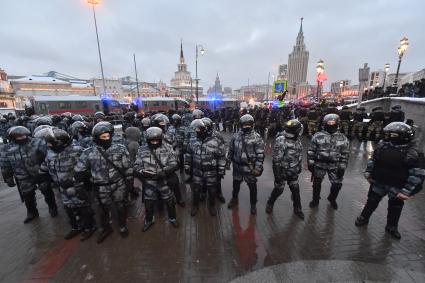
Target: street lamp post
(386,69)
(199,49)
(94,3)
(320,68)
(404,43)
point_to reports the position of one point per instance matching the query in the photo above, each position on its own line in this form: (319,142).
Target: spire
(181,52)
(301,26)
(217,78)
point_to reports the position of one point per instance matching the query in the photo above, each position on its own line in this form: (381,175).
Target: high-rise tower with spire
(298,60)
(182,80)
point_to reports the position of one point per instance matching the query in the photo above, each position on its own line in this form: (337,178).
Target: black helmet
(146,123)
(247,123)
(200,128)
(331,123)
(154,137)
(101,128)
(197,114)
(16,133)
(67,115)
(345,107)
(293,129)
(133,134)
(160,121)
(176,119)
(43,121)
(77,118)
(39,128)
(361,108)
(56,119)
(79,127)
(58,139)
(398,133)
(3,120)
(99,115)
(208,124)
(396,107)
(129,116)
(377,108)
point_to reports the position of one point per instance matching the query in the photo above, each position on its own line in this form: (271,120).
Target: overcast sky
(242,38)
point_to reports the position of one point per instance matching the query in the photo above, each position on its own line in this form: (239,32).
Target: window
(164,103)
(96,107)
(64,105)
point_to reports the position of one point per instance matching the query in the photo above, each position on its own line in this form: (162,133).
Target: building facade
(216,89)
(338,88)
(298,60)
(182,83)
(7,98)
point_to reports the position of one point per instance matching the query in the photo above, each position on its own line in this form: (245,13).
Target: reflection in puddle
(248,241)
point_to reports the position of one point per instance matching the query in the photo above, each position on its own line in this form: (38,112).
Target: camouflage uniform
(357,128)
(110,185)
(187,118)
(328,153)
(4,126)
(376,125)
(313,117)
(207,158)
(287,158)
(242,164)
(60,167)
(22,163)
(346,116)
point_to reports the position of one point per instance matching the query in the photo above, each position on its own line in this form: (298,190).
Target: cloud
(243,39)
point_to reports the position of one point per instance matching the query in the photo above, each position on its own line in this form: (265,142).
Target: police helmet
(197,114)
(18,131)
(101,128)
(398,133)
(293,128)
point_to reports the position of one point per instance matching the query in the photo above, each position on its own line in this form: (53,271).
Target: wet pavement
(230,245)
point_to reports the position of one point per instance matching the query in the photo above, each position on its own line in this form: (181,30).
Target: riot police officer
(377,118)
(287,158)
(346,116)
(20,161)
(328,153)
(393,170)
(358,118)
(207,158)
(155,162)
(313,117)
(59,165)
(396,114)
(108,167)
(246,152)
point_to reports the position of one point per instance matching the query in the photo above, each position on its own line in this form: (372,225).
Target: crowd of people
(94,168)
(415,89)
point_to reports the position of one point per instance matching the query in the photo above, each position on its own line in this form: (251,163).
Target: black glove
(340,172)
(228,165)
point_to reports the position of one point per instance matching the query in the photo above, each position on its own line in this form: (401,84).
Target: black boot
(87,221)
(31,205)
(172,215)
(220,196)
(296,199)
(335,188)
(395,206)
(104,233)
(211,202)
(149,218)
(195,202)
(235,193)
(122,220)
(253,197)
(370,206)
(273,197)
(72,217)
(49,198)
(317,187)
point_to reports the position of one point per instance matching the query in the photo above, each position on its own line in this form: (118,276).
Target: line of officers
(94,169)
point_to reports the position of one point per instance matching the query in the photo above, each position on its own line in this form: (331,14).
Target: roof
(41,79)
(67,98)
